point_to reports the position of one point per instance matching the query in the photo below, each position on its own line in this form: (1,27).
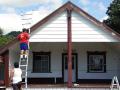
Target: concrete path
(64,89)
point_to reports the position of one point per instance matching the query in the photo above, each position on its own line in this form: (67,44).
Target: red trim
(69,46)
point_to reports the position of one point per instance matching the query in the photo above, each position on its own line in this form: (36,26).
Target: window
(41,62)
(96,61)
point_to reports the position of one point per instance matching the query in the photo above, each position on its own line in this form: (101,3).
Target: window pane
(96,63)
(41,63)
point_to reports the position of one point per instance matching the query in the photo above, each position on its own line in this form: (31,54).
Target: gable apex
(70,6)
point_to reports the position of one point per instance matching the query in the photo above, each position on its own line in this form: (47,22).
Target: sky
(13,11)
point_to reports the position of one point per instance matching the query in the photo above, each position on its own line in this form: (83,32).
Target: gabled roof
(66,6)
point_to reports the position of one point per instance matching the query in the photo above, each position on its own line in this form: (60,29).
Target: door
(65,62)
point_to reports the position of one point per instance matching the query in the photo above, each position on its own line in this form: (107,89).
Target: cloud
(24,3)
(85,9)
(35,16)
(21,3)
(8,9)
(85,2)
(99,6)
(11,21)
(103,18)
(44,11)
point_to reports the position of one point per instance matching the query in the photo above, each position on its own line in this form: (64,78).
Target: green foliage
(13,33)
(113,13)
(4,40)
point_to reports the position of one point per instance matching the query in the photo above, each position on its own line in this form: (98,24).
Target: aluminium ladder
(115,84)
(23,64)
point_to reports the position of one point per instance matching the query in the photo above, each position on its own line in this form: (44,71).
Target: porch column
(6,61)
(69,48)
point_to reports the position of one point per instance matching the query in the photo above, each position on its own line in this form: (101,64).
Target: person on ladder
(23,38)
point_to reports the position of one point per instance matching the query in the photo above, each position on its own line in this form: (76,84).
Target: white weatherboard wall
(111,61)
(85,31)
(55,30)
(81,49)
(56,49)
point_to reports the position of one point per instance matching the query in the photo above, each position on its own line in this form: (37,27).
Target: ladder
(115,84)
(23,64)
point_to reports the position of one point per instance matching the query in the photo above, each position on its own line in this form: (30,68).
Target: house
(68,45)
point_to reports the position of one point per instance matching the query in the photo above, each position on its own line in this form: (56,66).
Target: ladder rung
(26,18)
(24,76)
(26,14)
(115,84)
(24,65)
(24,71)
(26,23)
(23,82)
(23,60)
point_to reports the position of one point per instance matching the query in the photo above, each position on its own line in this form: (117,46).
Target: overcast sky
(11,10)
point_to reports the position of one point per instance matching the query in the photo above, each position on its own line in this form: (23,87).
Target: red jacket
(23,37)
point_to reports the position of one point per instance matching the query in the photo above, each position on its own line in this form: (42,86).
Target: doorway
(65,67)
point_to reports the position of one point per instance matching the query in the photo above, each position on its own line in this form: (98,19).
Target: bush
(5,39)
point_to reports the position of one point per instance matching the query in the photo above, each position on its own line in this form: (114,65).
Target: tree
(13,33)
(4,40)
(113,13)
(1,31)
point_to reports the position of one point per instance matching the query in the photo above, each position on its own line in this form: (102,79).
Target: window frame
(41,53)
(103,53)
